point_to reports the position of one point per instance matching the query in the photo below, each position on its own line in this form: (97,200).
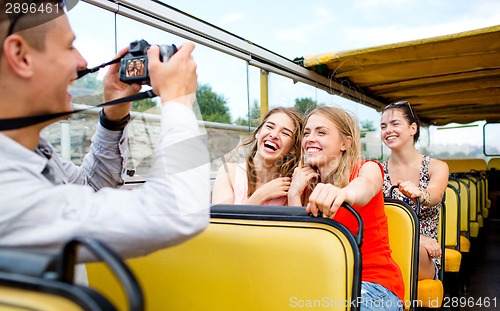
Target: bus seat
(465,165)
(19,299)
(452,256)
(404,240)
(464,244)
(430,293)
(452,259)
(38,280)
(464,208)
(468,199)
(448,231)
(461,186)
(249,258)
(452,209)
(494,163)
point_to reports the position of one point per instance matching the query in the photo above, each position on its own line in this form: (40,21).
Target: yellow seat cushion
(430,293)
(464,244)
(452,259)
(474,229)
(485,213)
(480,220)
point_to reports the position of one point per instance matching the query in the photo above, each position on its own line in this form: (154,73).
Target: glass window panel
(95,41)
(491,139)
(457,141)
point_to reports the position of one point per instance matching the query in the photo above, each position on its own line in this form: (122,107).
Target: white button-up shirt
(44,200)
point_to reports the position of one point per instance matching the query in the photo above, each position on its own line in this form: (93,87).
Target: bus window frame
(484,139)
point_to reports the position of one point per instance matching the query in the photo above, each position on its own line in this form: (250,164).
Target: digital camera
(134,65)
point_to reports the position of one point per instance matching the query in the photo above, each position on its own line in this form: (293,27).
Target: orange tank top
(377,263)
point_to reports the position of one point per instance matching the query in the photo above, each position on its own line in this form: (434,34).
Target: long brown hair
(289,162)
(348,127)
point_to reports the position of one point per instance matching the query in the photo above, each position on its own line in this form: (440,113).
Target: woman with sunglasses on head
(418,176)
(265,177)
(334,173)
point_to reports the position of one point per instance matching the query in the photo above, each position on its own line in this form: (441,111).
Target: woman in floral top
(417,175)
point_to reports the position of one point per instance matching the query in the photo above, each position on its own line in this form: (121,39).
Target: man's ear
(17,55)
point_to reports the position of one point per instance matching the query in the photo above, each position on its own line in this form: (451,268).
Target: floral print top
(428,215)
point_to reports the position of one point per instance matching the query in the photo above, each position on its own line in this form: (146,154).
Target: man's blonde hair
(32,26)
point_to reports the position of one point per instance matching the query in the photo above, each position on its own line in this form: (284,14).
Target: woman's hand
(300,179)
(327,199)
(431,246)
(409,189)
(275,188)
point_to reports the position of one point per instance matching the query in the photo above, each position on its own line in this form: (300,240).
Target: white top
(44,200)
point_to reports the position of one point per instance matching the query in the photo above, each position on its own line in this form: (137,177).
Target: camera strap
(16,123)
(85,71)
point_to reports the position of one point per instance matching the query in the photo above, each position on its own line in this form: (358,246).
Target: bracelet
(113,125)
(426,197)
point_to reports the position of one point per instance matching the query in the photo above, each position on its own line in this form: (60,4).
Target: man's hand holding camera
(175,79)
(114,89)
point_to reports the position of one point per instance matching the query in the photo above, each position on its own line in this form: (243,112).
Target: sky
(296,28)
(293,29)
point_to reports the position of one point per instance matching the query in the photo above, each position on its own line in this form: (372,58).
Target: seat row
(259,258)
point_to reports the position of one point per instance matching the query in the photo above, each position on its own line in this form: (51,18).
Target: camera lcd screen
(135,67)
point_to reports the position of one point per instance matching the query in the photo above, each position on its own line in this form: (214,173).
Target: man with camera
(44,200)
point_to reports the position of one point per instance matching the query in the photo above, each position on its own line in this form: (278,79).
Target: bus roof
(452,78)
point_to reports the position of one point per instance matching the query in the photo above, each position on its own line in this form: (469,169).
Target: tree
(88,91)
(305,105)
(367,126)
(253,116)
(90,83)
(143,105)
(212,106)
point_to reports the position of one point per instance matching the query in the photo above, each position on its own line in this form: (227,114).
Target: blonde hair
(348,127)
(289,162)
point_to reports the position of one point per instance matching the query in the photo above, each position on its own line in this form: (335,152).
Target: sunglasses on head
(400,104)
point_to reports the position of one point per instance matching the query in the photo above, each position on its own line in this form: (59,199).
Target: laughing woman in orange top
(334,173)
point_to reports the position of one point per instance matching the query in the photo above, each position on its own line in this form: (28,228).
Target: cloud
(371,36)
(319,19)
(230,18)
(370,4)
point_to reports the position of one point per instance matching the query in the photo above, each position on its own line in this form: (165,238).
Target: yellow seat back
(494,163)
(256,263)
(34,279)
(452,209)
(404,240)
(464,204)
(465,165)
(473,200)
(23,299)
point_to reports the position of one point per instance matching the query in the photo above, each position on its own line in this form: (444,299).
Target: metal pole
(264,92)
(65,140)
